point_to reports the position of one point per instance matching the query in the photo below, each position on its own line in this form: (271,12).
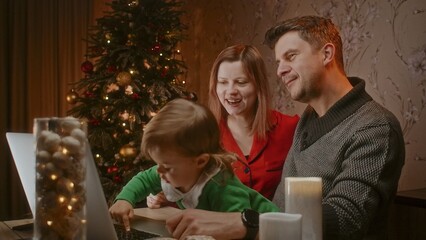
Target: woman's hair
(188,128)
(255,69)
(315,30)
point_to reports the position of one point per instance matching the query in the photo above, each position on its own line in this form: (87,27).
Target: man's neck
(334,88)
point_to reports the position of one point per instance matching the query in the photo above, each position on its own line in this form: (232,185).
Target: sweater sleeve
(233,196)
(368,180)
(140,186)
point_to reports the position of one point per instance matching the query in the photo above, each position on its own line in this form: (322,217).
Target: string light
(65,151)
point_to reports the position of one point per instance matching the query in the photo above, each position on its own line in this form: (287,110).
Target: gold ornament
(134,3)
(124,79)
(128,151)
(72,97)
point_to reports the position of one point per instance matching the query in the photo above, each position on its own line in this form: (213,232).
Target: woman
(240,99)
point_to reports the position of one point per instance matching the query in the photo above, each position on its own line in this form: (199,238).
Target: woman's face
(235,91)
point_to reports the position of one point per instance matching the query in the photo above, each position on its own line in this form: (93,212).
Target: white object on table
(303,195)
(277,225)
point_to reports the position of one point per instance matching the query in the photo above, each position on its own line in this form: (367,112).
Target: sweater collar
(315,127)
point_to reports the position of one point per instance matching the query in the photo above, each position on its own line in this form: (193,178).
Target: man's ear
(328,53)
(202,160)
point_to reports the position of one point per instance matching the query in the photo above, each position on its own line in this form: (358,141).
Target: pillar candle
(277,225)
(303,195)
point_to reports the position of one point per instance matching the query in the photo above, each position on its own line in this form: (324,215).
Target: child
(192,168)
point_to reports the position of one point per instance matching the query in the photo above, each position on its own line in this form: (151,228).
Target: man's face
(299,66)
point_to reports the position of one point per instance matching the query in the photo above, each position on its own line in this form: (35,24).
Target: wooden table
(414,198)
(7,233)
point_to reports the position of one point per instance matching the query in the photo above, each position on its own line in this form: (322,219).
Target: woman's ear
(202,160)
(328,53)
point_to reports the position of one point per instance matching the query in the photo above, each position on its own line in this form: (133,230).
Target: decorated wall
(384,43)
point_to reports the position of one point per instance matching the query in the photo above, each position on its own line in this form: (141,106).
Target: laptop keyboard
(133,234)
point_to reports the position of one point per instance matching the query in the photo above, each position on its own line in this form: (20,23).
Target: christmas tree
(133,68)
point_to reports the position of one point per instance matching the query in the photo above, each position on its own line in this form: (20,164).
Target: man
(343,136)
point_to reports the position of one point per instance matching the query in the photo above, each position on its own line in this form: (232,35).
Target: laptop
(99,223)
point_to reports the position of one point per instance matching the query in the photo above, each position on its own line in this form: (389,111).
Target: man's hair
(189,129)
(315,30)
(255,70)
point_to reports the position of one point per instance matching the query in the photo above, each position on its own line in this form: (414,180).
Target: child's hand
(122,211)
(156,201)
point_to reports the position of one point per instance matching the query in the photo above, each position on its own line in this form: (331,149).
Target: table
(10,231)
(415,198)
(407,215)
(7,233)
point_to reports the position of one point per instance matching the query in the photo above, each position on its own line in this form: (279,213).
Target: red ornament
(94,122)
(117,179)
(112,69)
(89,94)
(87,66)
(156,47)
(112,169)
(164,71)
(135,96)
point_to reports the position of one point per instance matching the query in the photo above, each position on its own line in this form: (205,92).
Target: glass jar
(60,178)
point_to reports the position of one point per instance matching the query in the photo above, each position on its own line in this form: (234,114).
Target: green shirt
(223,193)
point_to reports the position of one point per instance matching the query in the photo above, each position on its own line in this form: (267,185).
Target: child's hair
(189,128)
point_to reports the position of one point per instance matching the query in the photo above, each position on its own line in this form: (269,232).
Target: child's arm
(122,211)
(139,187)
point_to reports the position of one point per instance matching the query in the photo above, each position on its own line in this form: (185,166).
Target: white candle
(273,226)
(304,196)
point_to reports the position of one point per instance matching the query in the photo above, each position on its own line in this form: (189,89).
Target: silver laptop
(99,222)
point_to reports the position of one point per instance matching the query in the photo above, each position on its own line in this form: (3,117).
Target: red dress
(262,169)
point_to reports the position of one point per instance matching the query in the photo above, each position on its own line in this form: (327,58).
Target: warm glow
(61,199)
(53,177)
(64,151)
(49,223)
(69,207)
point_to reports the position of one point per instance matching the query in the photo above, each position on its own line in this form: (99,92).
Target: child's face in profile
(180,171)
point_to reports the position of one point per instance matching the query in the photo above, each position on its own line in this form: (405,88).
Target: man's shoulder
(375,114)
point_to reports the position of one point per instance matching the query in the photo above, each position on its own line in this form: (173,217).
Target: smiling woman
(239,97)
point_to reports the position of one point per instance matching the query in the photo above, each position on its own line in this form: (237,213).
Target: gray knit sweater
(357,148)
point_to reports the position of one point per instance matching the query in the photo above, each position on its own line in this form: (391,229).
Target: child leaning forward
(193,170)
